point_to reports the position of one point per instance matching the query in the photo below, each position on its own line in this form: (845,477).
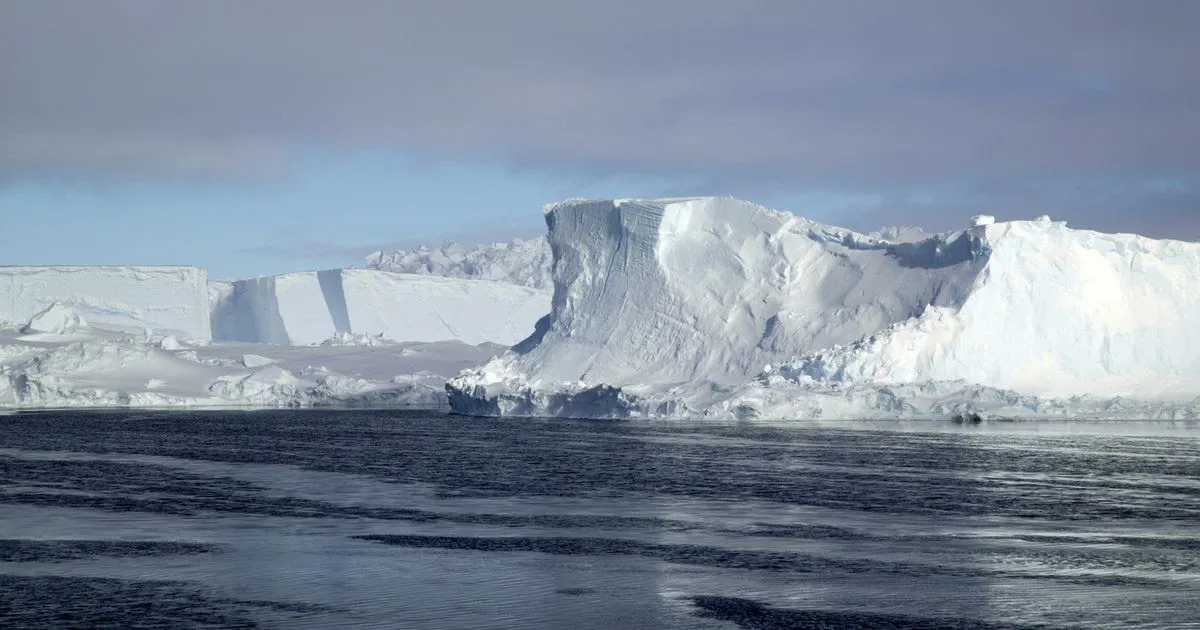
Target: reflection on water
(369,519)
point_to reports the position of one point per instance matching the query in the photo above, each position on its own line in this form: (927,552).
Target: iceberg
(307,308)
(131,299)
(715,307)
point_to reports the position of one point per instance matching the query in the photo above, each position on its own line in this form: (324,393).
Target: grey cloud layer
(840,93)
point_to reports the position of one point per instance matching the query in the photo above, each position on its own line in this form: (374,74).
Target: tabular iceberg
(131,299)
(312,307)
(718,307)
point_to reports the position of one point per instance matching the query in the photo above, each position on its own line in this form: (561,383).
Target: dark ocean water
(400,519)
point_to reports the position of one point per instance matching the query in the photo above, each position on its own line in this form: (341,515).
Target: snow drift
(132,299)
(720,307)
(55,319)
(312,307)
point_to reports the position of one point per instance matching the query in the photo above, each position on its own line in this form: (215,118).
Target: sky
(280,135)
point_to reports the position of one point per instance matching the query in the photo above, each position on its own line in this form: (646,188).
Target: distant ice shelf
(58,361)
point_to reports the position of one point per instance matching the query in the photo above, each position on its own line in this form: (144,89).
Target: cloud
(747,97)
(855,92)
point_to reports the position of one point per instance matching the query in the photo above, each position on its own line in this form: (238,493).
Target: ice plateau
(720,308)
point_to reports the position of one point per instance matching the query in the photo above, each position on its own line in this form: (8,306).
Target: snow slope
(311,307)
(164,299)
(523,262)
(715,306)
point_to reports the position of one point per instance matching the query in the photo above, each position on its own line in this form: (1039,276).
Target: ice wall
(424,308)
(681,303)
(311,307)
(171,300)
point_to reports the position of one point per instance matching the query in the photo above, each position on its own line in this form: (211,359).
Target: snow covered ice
(354,336)
(55,319)
(307,308)
(164,336)
(526,262)
(164,299)
(689,307)
(721,308)
(75,366)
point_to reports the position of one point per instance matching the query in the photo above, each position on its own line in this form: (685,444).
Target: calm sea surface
(402,519)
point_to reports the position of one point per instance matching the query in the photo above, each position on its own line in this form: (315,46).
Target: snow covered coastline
(706,307)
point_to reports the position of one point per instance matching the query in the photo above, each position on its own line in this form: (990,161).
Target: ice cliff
(717,307)
(311,307)
(164,299)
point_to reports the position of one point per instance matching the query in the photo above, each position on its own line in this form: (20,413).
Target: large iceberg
(718,307)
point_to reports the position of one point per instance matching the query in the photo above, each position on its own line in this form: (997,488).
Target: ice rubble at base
(719,308)
(55,360)
(55,319)
(143,336)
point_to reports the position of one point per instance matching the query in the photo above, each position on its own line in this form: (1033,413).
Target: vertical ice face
(712,289)
(172,300)
(311,307)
